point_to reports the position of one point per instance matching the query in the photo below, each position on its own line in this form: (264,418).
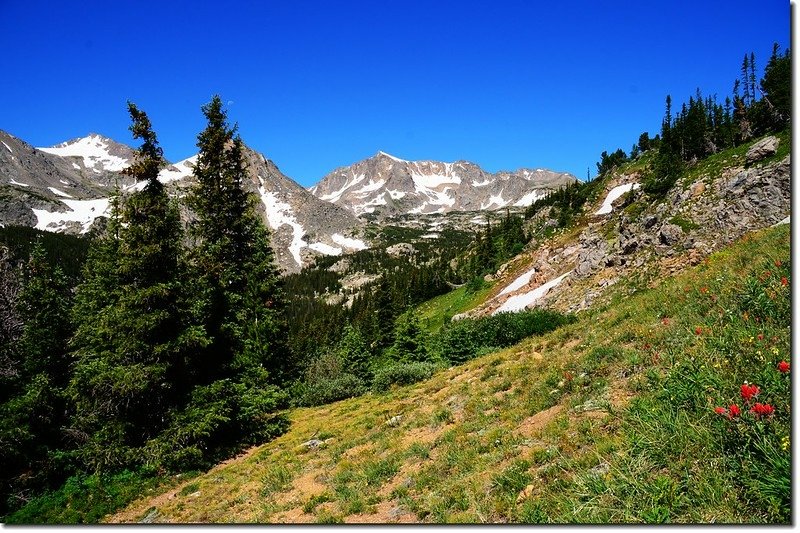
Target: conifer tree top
(149,156)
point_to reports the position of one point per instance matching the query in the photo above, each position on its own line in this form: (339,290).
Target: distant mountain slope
(384,185)
(65,188)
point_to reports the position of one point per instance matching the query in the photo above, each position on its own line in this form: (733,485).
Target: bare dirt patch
(303,488)
(534,424)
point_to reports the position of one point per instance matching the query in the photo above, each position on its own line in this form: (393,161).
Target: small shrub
(402,374)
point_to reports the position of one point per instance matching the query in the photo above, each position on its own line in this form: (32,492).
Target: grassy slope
(436,312)
(607,419)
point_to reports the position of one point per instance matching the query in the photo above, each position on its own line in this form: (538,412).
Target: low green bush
(402,374)
(463,340)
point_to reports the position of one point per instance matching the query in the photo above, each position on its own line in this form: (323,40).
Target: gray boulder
(763,148)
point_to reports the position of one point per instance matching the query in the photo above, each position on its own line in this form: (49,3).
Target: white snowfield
(279,214)
(347,242)
(81,211)
(12,182)
(179,170)
(529,198)
(334,196)
(520,282)
(7,146)
(495,200)
(613,194)
(93,149)
(522,301)
(59,192)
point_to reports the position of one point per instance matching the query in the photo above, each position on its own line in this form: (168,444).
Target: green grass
(438,311)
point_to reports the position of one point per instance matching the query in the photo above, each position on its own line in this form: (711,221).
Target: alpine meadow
(412,341)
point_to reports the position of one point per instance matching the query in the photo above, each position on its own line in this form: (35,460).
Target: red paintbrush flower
(762,409)
(749,392)
(783,367)
(734,410)
(721,411)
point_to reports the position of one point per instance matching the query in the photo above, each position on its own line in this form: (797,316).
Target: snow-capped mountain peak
(97,153)
(385,185)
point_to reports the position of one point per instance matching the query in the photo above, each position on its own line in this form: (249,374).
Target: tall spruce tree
(133,337)
(241,295)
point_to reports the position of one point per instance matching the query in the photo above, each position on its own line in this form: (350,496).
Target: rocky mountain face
(628,236)
(303,226)
(67,188)
(383,186)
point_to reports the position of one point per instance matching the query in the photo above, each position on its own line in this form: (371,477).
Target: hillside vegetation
(609,419)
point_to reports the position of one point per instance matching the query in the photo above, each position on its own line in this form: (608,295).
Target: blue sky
(318,85)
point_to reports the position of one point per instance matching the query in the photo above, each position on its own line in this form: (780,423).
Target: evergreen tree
(355,354)
(410,340)
(133,337)
(241,298)
(777,87)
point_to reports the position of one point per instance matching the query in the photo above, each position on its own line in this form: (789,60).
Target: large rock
(593,254)
(670,234)
(763,148)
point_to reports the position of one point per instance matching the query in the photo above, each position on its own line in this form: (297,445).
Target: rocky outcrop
(762,149)
(663,237)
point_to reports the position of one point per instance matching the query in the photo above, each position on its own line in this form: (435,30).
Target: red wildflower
(721,411)
(734,410)
(784,281)
(762,409)
(761,336)
(778,262)
(665,321)
(749,392)
(698,330)
(704,289)
(783,367)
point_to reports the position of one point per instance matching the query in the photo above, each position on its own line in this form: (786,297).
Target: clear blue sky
(318,85)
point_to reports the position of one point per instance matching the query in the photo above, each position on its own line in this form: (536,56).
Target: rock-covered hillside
(384,185)
(624,235)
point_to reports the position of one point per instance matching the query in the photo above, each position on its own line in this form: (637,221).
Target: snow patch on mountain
(81,211)
(393,157)
(9,148)
(372,186)
(522,301)
(12,182)
(347,242)
(280,213)
(520,282)
(59,192)
(179,170)
(496,200)
(94,150)
(529,198)
(613,194)
(326,249)
(334,196)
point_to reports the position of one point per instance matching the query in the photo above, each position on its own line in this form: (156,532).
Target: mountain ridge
(384,185)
